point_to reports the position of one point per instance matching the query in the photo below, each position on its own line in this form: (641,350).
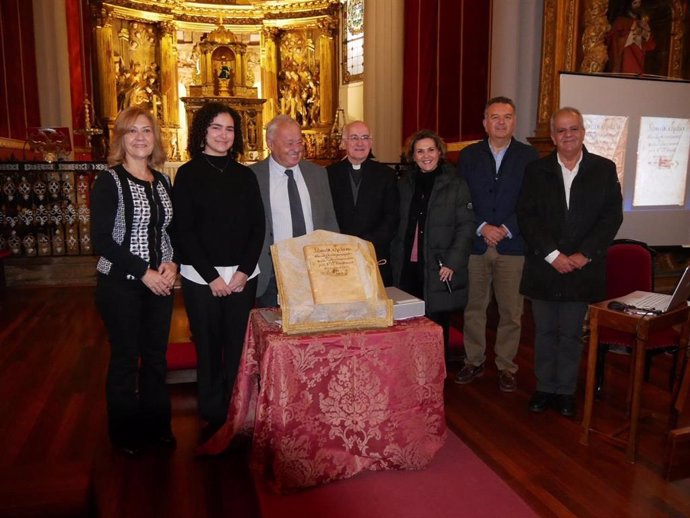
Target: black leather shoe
(539,401)
(566,405)
(128,450)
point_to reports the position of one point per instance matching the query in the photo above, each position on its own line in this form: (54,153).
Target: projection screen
(642,124)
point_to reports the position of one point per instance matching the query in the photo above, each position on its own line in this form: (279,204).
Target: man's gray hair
(277,121)
(565,109)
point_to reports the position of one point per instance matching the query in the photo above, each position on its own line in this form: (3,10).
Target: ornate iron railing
(45,208)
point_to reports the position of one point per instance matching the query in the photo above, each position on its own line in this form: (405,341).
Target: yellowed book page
(662,162)
(334,273)
(607,135)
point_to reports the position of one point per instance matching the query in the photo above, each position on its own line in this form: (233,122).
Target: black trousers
(138,325)
(218,326)
(557,344)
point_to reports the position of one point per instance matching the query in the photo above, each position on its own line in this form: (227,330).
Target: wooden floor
(55,459)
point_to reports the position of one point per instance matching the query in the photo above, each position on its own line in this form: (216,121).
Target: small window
(353,40)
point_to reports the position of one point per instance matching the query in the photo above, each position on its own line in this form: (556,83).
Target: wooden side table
(641,327)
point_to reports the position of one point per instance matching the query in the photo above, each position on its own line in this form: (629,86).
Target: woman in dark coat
(219,231)
(431,249)
(131,212)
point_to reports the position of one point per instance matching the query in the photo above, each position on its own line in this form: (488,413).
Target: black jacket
(375,215)
(448,229)
(130,223)
(588,226)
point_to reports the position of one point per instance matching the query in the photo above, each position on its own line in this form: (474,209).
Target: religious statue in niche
(630,38)
(224,72)
(137,75)
(139,36)
(252,135)
(224,76)
(298,82)
(138,86)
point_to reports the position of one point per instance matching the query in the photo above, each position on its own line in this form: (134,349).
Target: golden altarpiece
(261,58)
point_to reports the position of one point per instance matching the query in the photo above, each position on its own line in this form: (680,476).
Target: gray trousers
(557,344)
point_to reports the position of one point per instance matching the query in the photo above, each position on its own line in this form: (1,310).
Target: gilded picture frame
(666,47)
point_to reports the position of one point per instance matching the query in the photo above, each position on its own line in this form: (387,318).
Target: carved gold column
(558,54)
(106,100)
(207,72)
(269,72)
(594,49)
(327,70)
(167,59)
(675,55)
(240,67)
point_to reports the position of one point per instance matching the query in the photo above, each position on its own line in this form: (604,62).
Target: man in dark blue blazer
(365,195)
(569,211)
(494,168)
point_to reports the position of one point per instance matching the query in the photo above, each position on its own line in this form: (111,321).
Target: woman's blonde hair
(125,120)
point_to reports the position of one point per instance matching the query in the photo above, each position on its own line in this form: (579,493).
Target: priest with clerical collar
(365,195)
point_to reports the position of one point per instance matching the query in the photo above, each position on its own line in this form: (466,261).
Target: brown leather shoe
(507,381)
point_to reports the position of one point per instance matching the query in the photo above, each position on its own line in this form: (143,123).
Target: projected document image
(607,135)
(662,161)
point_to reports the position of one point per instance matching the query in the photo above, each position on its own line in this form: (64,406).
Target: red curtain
(446,67)
(18,83)
(78,44)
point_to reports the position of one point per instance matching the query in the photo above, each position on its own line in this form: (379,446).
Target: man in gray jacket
(296,197)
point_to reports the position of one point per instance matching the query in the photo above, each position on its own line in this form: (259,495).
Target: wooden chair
(630,267)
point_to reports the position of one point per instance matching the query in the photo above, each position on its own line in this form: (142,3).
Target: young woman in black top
(131,212)
(219,231)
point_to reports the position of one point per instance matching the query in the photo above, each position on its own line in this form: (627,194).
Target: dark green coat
(449,229)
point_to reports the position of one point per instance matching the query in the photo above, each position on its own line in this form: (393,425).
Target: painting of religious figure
(639,40)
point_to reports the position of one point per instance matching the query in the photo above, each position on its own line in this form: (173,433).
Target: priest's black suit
(375,213)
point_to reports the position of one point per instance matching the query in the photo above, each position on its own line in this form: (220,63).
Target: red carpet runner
(457,484)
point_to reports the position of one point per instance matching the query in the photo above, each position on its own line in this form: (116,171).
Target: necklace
(221,169)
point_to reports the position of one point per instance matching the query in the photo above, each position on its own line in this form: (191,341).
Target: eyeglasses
(357,138)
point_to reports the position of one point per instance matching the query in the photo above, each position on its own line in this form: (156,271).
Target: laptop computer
(658,302)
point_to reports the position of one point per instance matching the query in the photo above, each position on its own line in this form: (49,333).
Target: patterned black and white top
(129,222)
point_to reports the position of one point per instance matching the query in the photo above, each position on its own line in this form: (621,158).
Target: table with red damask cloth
(326,406)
